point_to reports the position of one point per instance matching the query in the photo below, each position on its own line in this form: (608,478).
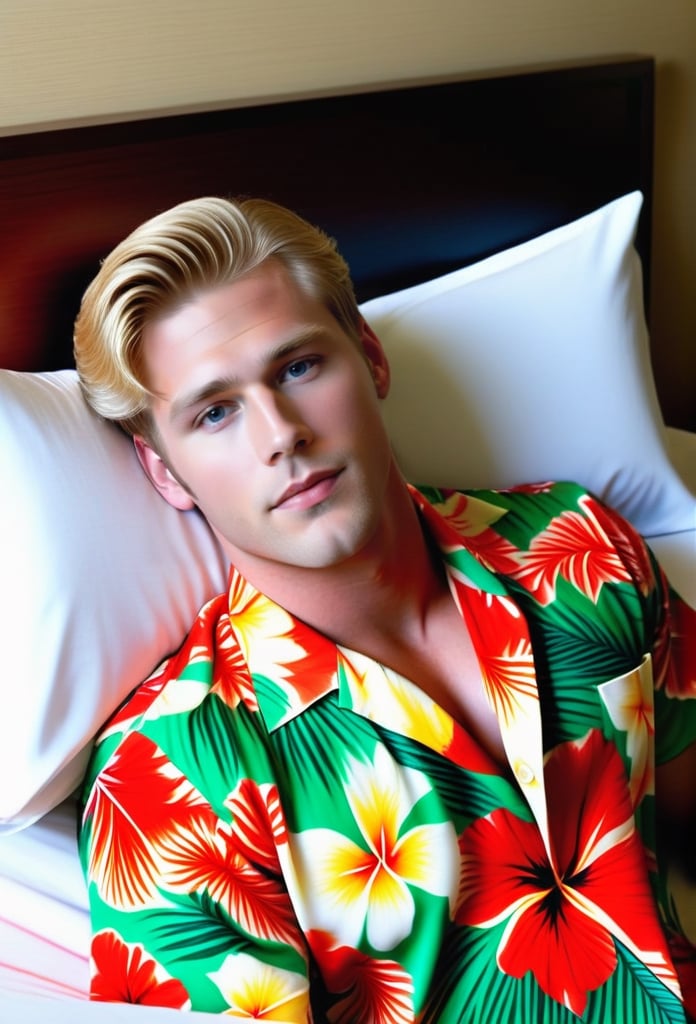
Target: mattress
(44,922)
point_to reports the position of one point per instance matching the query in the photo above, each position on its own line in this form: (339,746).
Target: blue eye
(300,368)
(214,415)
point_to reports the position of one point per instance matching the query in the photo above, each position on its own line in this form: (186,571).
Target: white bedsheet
(37,1010)
(44,922)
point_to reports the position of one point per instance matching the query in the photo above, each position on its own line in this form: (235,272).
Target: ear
(376,359)
(173,492)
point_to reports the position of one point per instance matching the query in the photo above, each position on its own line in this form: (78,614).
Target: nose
(275,425)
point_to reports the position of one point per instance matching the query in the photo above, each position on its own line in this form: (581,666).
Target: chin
(320,559)
(338,550)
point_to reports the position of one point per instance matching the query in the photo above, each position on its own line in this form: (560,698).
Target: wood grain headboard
(412,180)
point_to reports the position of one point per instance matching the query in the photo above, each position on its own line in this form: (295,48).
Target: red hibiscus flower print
(562,912)
(576,547)
(680,679)
(207,858)
(123,973)
(129,821)
(374,990)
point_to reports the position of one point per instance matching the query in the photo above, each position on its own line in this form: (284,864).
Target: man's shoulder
(179,684)
(565,493)
(539,503)
(198,649)
(554,522)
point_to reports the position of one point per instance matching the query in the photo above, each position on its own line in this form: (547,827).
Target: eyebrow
(212,388)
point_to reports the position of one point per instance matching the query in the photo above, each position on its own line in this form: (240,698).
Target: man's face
(268,415)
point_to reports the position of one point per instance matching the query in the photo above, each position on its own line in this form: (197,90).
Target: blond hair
(195,246)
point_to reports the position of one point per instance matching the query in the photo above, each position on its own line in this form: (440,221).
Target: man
(406,768)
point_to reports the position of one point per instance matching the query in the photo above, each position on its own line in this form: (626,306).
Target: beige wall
(75,60)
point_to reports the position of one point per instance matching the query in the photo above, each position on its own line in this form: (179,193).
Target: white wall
(79,60)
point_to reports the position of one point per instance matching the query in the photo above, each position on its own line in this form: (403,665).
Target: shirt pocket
(628,713)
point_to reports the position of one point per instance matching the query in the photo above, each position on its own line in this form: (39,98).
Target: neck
(385,589)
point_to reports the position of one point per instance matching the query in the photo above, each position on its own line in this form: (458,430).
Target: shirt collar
(292,665)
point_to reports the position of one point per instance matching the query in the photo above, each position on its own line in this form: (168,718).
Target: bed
(499,232)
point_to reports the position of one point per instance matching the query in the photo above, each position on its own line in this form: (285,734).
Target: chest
(443,664)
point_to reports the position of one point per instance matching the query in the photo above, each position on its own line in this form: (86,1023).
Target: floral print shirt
(278,827)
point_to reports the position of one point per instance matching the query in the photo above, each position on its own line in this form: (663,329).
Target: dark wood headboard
(413,180)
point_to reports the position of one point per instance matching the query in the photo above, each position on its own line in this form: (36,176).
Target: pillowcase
(100,580)
(534,365)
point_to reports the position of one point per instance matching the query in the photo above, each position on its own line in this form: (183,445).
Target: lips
(309,491)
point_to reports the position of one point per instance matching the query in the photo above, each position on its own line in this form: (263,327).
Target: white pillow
(101,579)
(534,365)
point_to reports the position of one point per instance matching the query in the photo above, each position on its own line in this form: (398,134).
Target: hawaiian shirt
(281,828)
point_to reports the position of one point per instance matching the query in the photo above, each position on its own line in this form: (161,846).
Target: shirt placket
(497,626)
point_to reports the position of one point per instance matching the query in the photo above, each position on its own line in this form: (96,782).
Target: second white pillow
(534,365)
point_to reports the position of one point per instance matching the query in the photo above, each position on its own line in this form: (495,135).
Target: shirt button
(524,773)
